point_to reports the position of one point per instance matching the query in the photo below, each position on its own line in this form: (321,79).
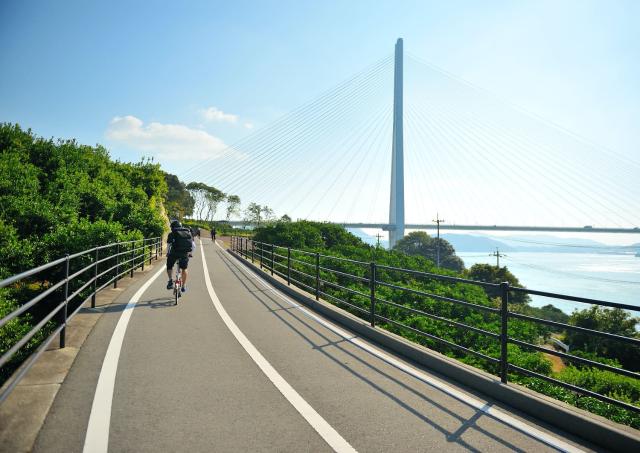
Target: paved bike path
(184,383)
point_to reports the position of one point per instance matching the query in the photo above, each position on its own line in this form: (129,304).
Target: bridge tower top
(396,204)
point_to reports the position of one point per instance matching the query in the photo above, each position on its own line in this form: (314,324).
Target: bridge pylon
(396,204)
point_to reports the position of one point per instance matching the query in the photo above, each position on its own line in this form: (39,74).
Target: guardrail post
(144,253)
(504,315)
(260,244)
(289,266)
(272,263)
(63,332)
(157,246)
(133,257)
(115,281)
(317,276)
(150,252)
(372,289)
(95,280)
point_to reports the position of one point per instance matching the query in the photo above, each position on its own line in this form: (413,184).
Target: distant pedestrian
(213,234)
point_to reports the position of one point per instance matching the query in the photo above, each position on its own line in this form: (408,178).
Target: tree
(421,244)
(179,202)
(285,218)
(307,235)
(198,191)
(267,214)
(253,214)
(206,199)
(213,197)
(233,206)
(615,321)
(492,274)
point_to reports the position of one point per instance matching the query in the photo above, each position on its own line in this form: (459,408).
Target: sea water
(607,277)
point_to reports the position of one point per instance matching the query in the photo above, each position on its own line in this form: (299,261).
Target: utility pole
(378,236)
(438,221)
(497,254)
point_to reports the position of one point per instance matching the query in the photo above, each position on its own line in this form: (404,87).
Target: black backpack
(181,241)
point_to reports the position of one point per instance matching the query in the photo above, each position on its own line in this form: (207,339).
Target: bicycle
(177,286)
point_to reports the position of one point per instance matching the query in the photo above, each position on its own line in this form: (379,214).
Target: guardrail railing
(77,277)
(313,272)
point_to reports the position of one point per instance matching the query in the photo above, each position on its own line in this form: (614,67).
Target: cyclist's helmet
(176,224)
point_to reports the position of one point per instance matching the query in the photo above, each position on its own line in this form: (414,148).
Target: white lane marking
(440,385)
(324,429)
(97,438)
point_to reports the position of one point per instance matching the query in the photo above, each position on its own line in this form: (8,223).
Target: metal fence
(312,272)
(77,277)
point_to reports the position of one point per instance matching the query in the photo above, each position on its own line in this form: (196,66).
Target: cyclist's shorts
(183,261)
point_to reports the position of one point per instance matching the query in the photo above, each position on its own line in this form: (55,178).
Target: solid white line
(324,429)
(97,438)
(440,385)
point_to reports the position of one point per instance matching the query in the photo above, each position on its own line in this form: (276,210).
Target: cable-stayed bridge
(254,357)
(403,140)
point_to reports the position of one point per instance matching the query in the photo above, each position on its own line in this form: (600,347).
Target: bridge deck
(185,383)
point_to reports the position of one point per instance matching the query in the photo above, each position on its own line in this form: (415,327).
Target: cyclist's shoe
(170,284)
(183,289)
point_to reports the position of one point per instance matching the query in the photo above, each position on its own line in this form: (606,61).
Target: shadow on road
(161,302)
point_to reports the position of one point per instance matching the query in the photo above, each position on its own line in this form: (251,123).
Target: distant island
(530,243)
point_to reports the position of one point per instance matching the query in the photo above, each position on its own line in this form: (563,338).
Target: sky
(179,81)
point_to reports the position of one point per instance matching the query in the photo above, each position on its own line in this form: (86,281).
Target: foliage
(233,206)
(13,331)
(207,198)
(179,202)
(610,411)
(550,312)
(615,321)
(605,382)
(256,214)
(59,197)
(492,274)
(428,302)
(420,243)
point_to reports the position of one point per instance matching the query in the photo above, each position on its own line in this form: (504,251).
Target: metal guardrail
(266,255)
(109,264)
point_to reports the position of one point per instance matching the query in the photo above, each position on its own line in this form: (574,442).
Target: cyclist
(180,244)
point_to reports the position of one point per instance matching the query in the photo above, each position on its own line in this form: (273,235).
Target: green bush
(333,240)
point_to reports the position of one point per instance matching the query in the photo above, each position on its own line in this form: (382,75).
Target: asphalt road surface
(236,366)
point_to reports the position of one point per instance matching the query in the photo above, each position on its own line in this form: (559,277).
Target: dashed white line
(322,427)
(436,383)
(97,437)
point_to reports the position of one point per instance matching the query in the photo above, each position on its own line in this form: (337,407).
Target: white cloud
(215,114)
(248,125)
(165,141)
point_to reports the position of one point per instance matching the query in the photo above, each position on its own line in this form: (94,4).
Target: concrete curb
(590,427)
(25,410)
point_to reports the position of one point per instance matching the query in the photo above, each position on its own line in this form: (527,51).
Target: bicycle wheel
(176,294)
